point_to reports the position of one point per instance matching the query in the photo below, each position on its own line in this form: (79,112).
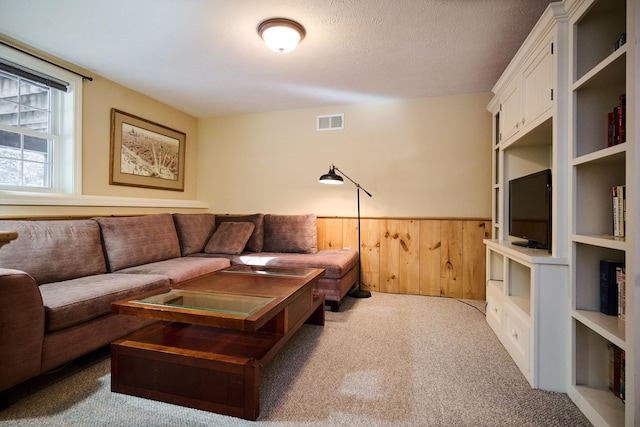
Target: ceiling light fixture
(280,34)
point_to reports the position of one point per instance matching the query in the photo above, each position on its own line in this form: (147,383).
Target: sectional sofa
(59,277)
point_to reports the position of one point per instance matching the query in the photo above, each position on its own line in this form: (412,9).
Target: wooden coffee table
(213,335)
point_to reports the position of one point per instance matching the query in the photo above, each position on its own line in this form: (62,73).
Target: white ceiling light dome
(280,34)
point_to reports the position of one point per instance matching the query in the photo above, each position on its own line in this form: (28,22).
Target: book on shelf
(617,359)
(611,135)
(621,110)
(616,123)
(609,287)
(623,360)
(621,284)
(619,206)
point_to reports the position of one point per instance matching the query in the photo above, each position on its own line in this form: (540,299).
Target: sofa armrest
(21,327)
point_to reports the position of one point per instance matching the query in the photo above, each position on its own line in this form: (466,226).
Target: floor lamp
(333,178)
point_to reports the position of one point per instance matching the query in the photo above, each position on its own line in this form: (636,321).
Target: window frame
(67,153)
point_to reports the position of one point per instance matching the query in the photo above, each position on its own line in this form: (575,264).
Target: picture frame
(145,154)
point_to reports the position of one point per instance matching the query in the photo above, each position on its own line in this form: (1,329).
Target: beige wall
(419,158)
(99,96)
(425,157)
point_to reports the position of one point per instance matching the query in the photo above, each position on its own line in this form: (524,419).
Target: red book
(621,116)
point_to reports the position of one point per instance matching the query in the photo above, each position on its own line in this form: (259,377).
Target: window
(26,151)
(39,125)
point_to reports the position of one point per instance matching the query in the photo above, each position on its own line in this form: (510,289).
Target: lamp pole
(333,177)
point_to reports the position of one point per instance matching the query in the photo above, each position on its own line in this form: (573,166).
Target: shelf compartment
(600,406)
(593,211)
(594,99)
(606,72)
(496,160)
(611,328)
(592,375)
(586,273)
(496,266)
(519,285)
(539,135)
(526,159)
(497,210)
(597,32)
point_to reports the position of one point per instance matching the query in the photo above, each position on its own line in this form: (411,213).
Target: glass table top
(242,305)
(268,271)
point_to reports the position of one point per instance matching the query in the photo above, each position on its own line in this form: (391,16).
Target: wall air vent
(330,122)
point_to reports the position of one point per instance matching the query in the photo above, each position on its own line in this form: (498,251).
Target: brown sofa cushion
(194,230)
(180,269)
(335,262)
(230,238)
(257,237)
(290,233)
(52,251)
(76,301)
(130,241)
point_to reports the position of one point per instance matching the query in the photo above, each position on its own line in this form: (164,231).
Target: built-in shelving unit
(601,69)
(527,289)
(593,63)
(524,309)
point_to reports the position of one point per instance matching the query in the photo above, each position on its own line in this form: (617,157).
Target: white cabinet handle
(514,334)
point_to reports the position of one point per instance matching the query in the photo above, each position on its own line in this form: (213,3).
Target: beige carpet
(390,360)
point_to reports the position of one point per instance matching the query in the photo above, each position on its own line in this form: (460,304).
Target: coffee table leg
(317,317)
(252,391)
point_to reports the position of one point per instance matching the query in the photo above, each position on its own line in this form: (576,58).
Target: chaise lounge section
(292,241)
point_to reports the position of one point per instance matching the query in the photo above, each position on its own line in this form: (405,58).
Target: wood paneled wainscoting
(439,257)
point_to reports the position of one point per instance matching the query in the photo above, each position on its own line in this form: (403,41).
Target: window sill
(17,198)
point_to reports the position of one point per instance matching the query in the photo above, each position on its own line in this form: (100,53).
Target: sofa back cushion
(137,240)
(257,237)
(290,233)
(53,251)
(194,231)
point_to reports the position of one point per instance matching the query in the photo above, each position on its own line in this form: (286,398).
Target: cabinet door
(517,333)
(510,110)
(538,84)
(495,310)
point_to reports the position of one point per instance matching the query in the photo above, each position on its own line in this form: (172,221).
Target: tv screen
(530,210)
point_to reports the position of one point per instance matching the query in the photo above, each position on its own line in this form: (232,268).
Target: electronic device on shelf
(530,210)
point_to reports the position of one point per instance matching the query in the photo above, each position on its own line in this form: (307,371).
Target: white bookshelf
(598,73)
(588,72)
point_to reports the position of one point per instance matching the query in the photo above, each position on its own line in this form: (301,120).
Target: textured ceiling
(204,56)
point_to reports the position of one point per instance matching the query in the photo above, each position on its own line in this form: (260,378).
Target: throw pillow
(257,237)
(229,238)
(290,233)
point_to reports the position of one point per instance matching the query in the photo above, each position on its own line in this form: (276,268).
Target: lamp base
(360,293)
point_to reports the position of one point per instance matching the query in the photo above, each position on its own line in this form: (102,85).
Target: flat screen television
(530,210)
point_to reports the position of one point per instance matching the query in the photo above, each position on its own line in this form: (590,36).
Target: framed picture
(145,154)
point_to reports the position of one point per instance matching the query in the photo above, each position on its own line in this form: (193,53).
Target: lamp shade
(280,34)
(331,177)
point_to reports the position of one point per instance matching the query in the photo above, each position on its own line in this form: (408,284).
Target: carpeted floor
(390,360)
